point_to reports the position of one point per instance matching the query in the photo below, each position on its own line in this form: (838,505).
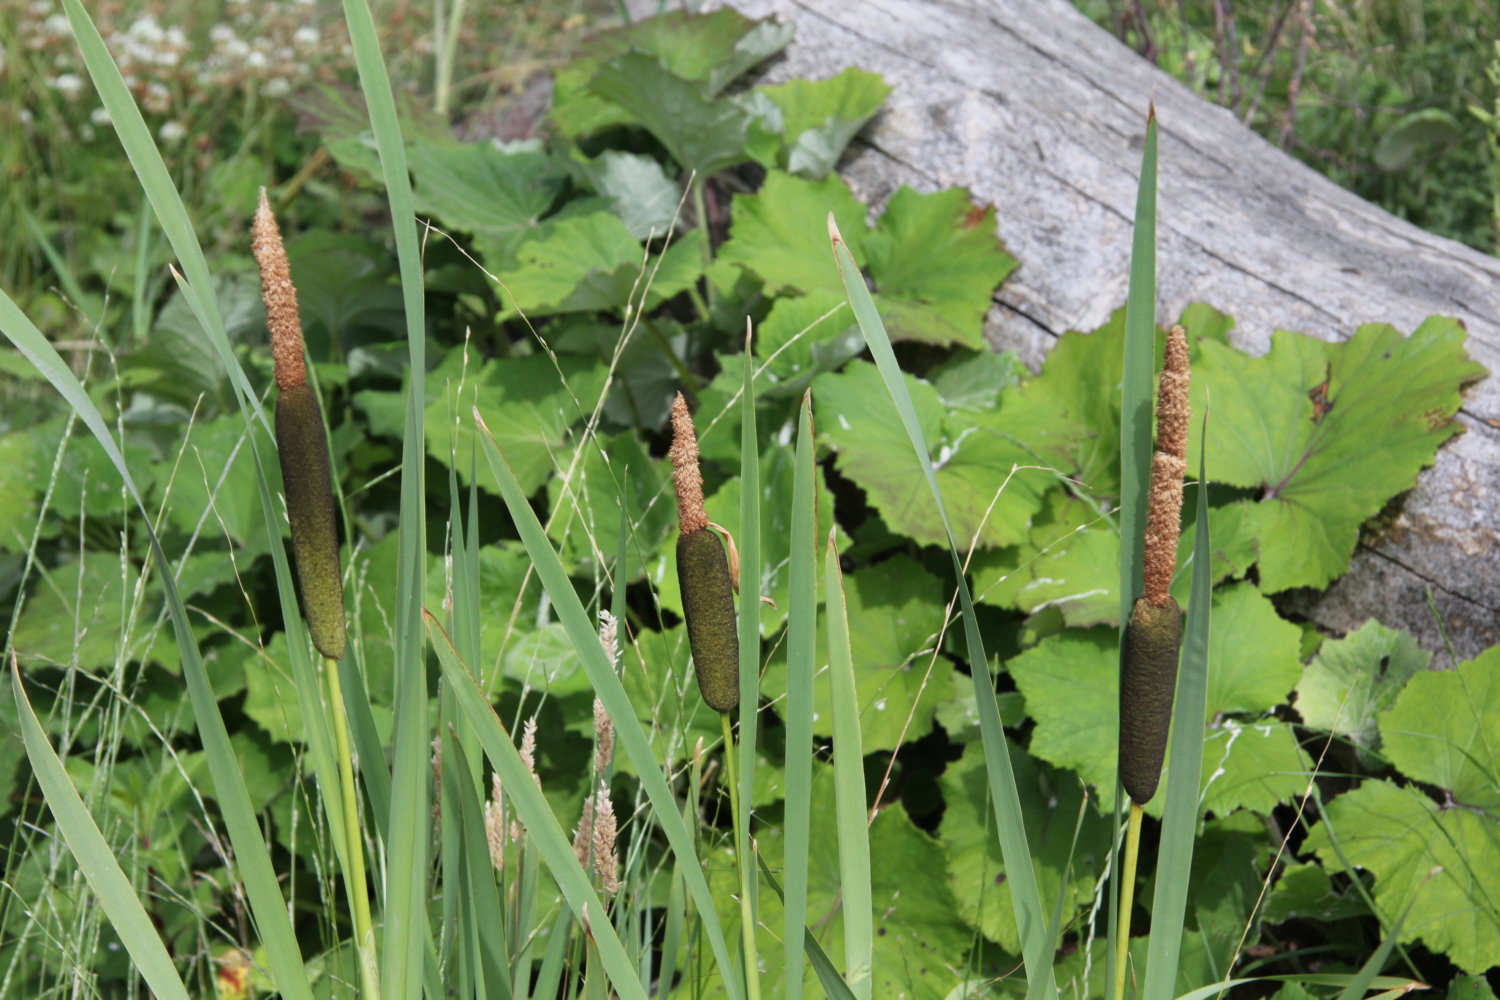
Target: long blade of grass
(601,673)
(1135,444)
(484,928)
(259,876)
(749,627)
(1394,983)
(828,974)
(801,654)
(94,855)
(1174,855)
(542,827)
(406,885)
(1015,853)
(849,786)
(1136,395)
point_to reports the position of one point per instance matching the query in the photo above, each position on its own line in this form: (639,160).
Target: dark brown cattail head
(308,481)
(1148,680)
(1148,657)
(301,445)
(703,575)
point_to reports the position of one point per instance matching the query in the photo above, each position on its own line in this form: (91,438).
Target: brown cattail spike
(280,297)
(1168,465)
(703,574)
(685,475)
(307,479)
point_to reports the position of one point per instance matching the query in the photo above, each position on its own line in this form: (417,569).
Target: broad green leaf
(1415,135)
(1327,434)
(921,941)
(83,614)
(972,459)
(895,611)
(713,48)
(1444,729)
(525,404)
(819,117)
(973,380)
(1050,801)
(591,263)
(1253,654)
(216,477)
(1354,678)
(804,335)
(939,256)
(1442,863)
(1252,765)
(271,693)
(1060,413)
(1306,890)
(644,197)
(1071,684)
(586,515)
(481,188)
(702,135)
(779,233)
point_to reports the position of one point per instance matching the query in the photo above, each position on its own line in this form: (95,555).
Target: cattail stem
(1127,899)
(746,869)
(354,845)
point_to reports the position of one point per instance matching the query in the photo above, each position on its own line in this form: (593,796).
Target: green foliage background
(569,299)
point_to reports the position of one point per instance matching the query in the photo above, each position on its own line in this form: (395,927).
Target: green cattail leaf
(1148,679)
(708,606)
(303,448)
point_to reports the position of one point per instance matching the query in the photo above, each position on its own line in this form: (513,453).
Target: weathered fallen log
(1038,111)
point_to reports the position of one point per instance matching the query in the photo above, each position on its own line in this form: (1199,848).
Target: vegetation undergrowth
(910,786)
(1394,99)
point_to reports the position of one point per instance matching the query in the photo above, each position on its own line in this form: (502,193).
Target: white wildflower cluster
(177,70)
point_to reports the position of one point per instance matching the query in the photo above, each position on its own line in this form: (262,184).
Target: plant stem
(364,928)
(742,862)
(700,209)
(1127,899)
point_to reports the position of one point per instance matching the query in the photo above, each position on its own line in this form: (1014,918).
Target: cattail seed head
(688,481)
(1148,681)
(703,575)
(1168,466)
(301,444)
(307,479)
(279,295)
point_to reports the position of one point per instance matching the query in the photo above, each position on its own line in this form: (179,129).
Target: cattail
(301,444)
(1148,656)
(703,574)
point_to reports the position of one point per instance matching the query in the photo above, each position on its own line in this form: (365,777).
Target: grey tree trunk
(1038,111)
